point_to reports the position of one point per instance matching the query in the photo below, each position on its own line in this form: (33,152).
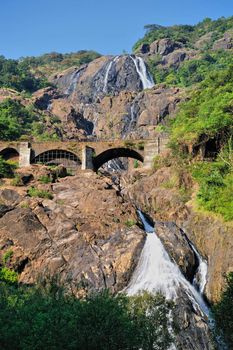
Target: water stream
(156,272)
(146,78)
(108,70)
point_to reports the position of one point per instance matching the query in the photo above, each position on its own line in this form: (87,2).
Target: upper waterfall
(145,76)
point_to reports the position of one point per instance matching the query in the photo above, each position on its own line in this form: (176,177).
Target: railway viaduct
(84,155)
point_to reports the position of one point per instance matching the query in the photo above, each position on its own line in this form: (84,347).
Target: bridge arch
(113,153)
(58,157)
(9,153)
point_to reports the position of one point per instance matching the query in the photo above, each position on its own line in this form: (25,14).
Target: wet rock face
(103,76)
(178,247)
(86,235)
(193,329)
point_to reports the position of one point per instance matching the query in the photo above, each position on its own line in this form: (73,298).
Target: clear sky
(34,27)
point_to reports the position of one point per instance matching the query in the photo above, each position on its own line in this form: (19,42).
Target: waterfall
(146,78)
(200,278)
(73,81)
(130,123)
(156,272)
(109,67)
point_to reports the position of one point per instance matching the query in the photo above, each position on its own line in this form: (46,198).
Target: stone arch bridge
(84,155)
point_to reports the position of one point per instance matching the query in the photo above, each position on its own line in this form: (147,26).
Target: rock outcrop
(86,234)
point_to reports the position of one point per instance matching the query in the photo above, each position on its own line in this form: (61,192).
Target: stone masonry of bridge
(91,155)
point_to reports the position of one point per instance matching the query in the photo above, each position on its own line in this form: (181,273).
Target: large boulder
(224,43)
(164,46)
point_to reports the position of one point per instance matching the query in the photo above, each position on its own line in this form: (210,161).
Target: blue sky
(34,27)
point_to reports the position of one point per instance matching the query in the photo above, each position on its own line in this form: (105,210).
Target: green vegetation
(16,181)
(30,73)
(223,313)
(216,187)
(6,168)
(7,275)
(208,113)
(192,71)
(130,222)
(35,192)
(45,179)
(15,120)
(187,34)
(206,119)
(135,163)
(16,75)
(47,317)
(48,64)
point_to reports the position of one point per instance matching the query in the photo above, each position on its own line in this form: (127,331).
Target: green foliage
(16,181)
(15,75)
(45,65)
(130,222)
(49,318)
(35,192)
(15,120)
(151,313)
(191,71)
(45,179)
(6,168)
(216,187)
(223,313)
(7,256)
(135,163)
(208,113)
(7,275)
(186,34)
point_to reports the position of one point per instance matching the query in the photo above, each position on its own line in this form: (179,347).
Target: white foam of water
(156,272)
(109,67)
(200,278)
(146,78)
(73,82)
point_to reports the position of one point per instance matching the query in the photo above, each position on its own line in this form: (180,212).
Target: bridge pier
(87,158)
(24,154)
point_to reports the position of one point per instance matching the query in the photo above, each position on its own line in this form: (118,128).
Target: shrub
(49,318)
(35,192)
(7,275)
(223,312)
(45,179)
(130,222)
(6,169)
(16,181)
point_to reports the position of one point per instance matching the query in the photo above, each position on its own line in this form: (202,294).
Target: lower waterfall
(156,272)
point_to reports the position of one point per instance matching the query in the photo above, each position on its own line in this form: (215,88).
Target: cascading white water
(200,278)
(73,81)
(156,272)
(105,88)
(146,78)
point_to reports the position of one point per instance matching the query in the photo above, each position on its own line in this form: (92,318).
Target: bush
(45,179)
(130,222)
(216,188)
(35,192)
(6,169)
(223,312)
(49,318)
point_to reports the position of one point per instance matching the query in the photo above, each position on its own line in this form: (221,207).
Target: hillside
(179,82)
